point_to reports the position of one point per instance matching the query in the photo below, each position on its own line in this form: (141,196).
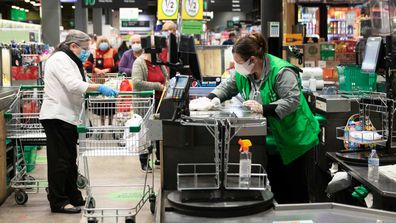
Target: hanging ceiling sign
(167,9)
(192,9)
(115,3)
(230,5)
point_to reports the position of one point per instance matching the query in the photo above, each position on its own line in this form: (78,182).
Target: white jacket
(63,89)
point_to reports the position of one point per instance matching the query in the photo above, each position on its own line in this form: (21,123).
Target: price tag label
(167,9)
(192,9)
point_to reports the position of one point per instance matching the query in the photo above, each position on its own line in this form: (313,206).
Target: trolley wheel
(92,220)
(46,190)
(82,181)
(152,199)
(21,197)
(130,219)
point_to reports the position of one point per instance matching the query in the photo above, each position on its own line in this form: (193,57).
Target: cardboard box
(328,64)
(292,39)
(312,52)
(346,58)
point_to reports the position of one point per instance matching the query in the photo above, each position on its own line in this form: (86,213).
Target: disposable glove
(107,91)
(254,106)
(216,101)
(201,104)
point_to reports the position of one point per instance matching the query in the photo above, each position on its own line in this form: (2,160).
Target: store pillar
(271,11)
(81,17)
(50,27)
(97,21)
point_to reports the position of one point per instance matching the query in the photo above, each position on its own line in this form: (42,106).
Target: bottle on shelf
(373,165)
(245,163)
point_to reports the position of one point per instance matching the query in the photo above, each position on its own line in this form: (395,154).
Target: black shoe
(71,210)
(157,163)
(78,203)
(147,169)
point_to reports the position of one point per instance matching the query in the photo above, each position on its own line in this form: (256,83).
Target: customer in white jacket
(64,90)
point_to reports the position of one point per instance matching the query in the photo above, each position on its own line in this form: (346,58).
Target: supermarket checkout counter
(200,162)
(187,143)
(384,191)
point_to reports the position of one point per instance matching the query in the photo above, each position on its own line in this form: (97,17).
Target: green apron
(296,133)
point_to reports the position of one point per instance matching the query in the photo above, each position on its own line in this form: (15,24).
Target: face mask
(84,54)
(136,47)
(103,46)
(165,34)
(245,68)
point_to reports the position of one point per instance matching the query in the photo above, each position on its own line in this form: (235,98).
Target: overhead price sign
(192,9)
(167,9)
(115,3)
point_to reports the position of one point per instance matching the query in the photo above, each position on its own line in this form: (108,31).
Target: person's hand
(201,104)
(107,91)
(162,87)
(254,106)
(216,101)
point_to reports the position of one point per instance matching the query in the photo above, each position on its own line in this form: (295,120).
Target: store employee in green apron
(272,87)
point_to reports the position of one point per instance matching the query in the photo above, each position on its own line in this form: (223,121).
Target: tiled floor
(103,171)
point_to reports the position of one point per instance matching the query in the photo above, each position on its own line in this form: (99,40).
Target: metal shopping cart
(24,129)
(124,134)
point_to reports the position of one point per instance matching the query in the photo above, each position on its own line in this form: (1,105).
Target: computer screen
(371,54)
(184,52)
(181,82)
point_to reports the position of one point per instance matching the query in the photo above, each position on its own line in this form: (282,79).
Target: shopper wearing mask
(272,87)
(64,90)
(168,28)
(130,56)
(148,77)
(104,60)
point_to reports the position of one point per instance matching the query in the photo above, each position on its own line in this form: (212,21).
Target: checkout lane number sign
(167,9)
(192,9)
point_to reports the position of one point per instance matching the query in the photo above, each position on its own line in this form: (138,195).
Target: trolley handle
(128,93)
(81,129)
(26,87)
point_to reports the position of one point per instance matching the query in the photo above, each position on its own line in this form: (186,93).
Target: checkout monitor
(184,52)
(372,54)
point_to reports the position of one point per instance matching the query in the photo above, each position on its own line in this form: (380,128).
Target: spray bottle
(245,163)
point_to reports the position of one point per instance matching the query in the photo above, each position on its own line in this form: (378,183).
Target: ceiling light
(27,1)
(13,7)
(73,7)
(61,6)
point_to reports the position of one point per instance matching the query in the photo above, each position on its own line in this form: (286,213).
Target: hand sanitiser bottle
(245,163)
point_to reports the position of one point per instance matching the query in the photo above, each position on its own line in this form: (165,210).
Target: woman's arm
(139,77)
(288,90)
(226,90)
(123,66)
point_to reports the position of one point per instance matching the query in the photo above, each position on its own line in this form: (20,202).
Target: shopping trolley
(126,135)
(24,129)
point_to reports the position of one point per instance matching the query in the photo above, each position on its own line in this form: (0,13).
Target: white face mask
(136,47)
(245,68)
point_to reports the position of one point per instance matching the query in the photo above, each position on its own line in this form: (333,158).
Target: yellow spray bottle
(245,163)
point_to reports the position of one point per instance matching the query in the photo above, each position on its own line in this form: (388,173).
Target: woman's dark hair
(251,45)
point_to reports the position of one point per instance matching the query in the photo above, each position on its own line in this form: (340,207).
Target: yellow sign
(167,9)
(192,9)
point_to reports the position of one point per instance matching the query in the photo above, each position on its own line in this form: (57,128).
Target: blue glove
(107,91)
